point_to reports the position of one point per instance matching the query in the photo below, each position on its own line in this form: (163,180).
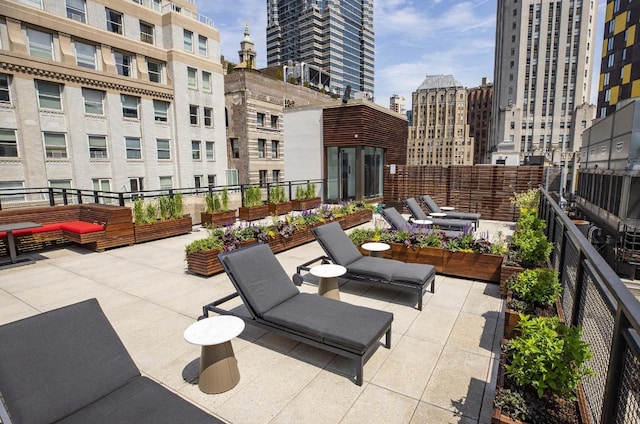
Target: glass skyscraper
(335,36)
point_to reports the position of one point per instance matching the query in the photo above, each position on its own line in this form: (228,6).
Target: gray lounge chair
(275,303)
(405,276)
(397,222)
(444,223)
(69,366)
(433,207)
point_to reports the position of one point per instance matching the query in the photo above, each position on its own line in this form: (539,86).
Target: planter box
(301,205)
(253,213)
(280,208)
(218,219)
(357,218)
(507,271)
(204,262)
(512,318)
(162,229)
(280,243)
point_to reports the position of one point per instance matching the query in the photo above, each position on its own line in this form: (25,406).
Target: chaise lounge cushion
(392,270)
(331,321)
(332,240)
(433,207)
(81,227)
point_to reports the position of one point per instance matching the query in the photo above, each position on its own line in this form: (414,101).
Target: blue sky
(413,38)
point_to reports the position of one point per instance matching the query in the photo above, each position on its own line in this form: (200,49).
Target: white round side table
(376,249)
(421,221)
(438,214)
(328,284)
(447,208)
(218,364)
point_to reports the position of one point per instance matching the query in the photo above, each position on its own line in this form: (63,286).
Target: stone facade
(479,119)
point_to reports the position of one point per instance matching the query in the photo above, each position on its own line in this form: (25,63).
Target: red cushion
(81,227)
(28,231)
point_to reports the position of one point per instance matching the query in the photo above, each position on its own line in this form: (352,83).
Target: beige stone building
(439,134)
(118,95)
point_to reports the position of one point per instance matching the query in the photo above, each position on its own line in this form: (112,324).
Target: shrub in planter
(216,202)
(276,194)
(537,287)
(252,197)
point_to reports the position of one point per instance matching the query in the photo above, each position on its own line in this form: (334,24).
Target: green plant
(224,197)
(531,246)
(150,213)
(527,200)
(537,286)
(359,236)
(549,356)
(144,213)
(176,206)
(205,244)
(310,191)
(212,203)
(164,205)
(514,405)
(276,194)
(252,196)
(138,210)
(498,244)
(430,239)
(301,193)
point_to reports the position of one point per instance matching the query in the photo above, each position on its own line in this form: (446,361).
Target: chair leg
(387,342)
(360,371)
(420,299)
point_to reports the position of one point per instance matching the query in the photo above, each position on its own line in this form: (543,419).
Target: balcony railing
(595,299)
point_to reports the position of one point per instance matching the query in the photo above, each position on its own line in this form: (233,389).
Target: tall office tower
(116,95)
(542,78)
(333,35)
(479,118)
(396,104)
(620,65)
(439,134)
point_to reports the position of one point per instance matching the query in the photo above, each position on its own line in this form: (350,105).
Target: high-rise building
(479,117)
(396,104)
(110,96)
(620,65)
(333,35)
(439,134)
(542,77)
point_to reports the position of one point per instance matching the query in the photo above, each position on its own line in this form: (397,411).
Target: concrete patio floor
(441,367)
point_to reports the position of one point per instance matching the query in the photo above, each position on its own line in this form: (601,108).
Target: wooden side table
(328,284)
(218,364)
(376,249)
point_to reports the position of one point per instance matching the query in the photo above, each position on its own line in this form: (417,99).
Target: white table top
(214,330)
(328,270)
(422,222)
(376,247)
(447,208)
(438,214)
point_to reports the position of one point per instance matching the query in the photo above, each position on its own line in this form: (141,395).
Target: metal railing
(595,299)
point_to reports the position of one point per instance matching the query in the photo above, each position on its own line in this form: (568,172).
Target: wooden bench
(71,223)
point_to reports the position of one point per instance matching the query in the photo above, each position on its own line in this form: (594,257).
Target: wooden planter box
(280,208)
(512,318)
(357,218)
(253,213)
(162,229)
(507,271)
(218,219)
(301,205)
(204,262)
(280,243)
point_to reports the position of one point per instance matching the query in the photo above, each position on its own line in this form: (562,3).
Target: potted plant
(532,292)
(164,220)
(216,212)
(253,207)
(306,197)
(545,365)
(278,203)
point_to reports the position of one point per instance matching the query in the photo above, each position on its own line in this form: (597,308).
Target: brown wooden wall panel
(482,188)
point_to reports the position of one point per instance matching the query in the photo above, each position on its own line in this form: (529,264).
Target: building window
(261,147)
(93,101)
(206,82)
(154,69)
(275,175)
(85,55)
(136,184)
(33,3)
(8,144)
(232,176)
(129,106)
(197,181)
(212,180)
(208,117)
(123,64)
(49,95)
(76,10)
(274,122)
(235,148)
(163,148)
(5,96)
(193,114)
(166,183)
(195,150)
(98,147)
(192,78)
(146,32)
(188,41)
(114,21)
(40,44)
(160,109)
(132,145)
(260,119)
(55,145)
(263,177)
(210,150)
(202,46)
(274,149)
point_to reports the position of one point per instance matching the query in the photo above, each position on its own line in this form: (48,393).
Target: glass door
(341,173)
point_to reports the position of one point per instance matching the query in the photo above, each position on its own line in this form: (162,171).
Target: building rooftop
(441,367)
(432,82)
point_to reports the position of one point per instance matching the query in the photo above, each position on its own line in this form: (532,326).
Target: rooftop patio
(441,367)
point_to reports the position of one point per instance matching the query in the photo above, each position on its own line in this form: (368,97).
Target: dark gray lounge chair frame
(447,224)
(417,288)
(68,365)
(397,222)
(431,204)
(253,318)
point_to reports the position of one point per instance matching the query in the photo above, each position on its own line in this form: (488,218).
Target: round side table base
(218,368)
(376,253)
(328,287)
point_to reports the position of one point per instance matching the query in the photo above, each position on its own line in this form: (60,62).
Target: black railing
(595,299)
